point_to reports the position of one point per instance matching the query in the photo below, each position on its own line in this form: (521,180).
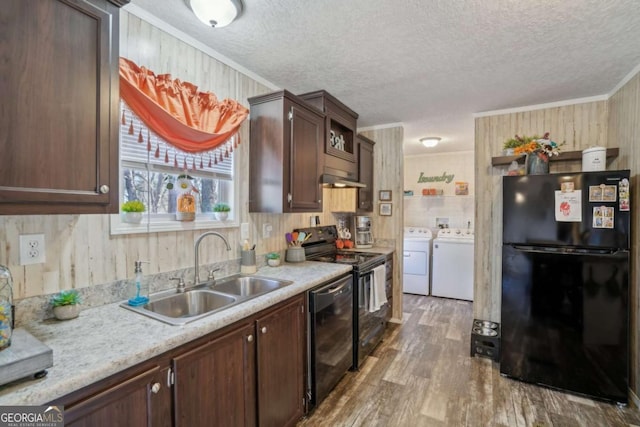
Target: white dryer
(416,277)
(452,275)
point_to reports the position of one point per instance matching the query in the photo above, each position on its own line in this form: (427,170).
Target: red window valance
(190,120)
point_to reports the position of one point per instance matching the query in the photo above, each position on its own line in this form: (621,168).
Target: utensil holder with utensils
(295,254)
(248,262)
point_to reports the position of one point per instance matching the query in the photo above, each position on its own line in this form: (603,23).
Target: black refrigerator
(565,282)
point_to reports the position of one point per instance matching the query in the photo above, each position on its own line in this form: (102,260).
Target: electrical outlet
(244,231)
(266,231)
(32,249)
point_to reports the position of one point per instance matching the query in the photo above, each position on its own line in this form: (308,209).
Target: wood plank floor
(422,375)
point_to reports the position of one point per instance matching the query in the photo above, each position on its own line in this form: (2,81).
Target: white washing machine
(416,261)
(452,275)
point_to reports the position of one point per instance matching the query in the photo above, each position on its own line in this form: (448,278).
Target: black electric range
(368,325)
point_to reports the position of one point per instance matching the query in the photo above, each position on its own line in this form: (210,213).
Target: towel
(378,295)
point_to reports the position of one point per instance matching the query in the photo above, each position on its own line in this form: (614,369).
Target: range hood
(340,182)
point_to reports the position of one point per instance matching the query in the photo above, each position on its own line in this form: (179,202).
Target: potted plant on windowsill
(66,304)
(221,211)
(132,211)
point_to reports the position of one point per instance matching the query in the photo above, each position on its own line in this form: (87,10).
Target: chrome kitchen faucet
(196,280)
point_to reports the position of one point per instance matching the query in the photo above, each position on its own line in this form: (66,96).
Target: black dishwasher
(330,336)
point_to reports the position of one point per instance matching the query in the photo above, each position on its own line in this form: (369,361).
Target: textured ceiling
(428,64)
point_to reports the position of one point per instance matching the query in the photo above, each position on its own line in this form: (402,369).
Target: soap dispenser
(139,290)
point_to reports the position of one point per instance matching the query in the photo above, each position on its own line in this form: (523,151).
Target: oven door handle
(334,290)
(364,288)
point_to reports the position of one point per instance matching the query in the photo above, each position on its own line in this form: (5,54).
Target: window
(148,164)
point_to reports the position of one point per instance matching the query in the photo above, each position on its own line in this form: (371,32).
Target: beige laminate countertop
(105,340)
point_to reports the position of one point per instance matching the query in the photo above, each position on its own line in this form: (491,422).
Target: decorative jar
(537,163)
(186,207)
(6,307)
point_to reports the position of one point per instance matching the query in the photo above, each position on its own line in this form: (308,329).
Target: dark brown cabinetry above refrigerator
(340,145)
(59,121)
(285,154)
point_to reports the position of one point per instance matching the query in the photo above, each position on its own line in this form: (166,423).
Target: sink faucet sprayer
(197,247)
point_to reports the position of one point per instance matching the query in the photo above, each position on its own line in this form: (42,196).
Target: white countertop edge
(108,339)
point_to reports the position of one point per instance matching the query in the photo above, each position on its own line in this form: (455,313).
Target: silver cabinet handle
(250,338)
(155,388)
(104,189)
(263,330)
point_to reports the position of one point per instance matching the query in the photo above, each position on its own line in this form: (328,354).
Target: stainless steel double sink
(205,299)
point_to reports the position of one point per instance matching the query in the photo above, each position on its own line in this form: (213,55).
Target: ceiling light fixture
(430,141)
(216,13)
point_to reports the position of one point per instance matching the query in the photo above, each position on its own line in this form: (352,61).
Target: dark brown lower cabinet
(280,347)
(248,374)
(139,401)
(215,383)
(389,285)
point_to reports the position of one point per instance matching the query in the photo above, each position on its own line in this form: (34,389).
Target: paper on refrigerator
(568,206)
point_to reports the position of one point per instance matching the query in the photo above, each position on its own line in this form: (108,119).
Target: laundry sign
(436,178)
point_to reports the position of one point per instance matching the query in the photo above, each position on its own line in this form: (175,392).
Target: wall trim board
(379,127)
(566,102)
(625,80)
(159,23)
(527,108)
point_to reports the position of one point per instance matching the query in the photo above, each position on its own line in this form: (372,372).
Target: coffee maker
(363,236)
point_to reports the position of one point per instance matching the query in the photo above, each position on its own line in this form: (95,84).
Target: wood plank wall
(579,126)
(388,162)
(609,123)
(624,132)
(80,251)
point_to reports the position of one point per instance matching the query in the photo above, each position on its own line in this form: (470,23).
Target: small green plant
(273,255)
(133,206)
(221,207)
(65,298)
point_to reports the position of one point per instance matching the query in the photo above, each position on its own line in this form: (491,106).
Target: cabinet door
(133,402)
(389,286)
(305,167)
(58,117)
(215,383)
(281,344)
(365,171)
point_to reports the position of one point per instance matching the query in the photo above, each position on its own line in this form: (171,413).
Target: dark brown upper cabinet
(285,154)
(340,146)
(59,115)
(365,173)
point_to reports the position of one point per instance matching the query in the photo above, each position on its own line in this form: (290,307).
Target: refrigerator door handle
(567,250)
